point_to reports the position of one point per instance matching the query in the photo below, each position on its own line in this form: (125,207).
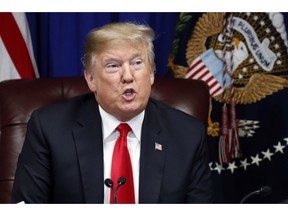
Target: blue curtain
(58,38)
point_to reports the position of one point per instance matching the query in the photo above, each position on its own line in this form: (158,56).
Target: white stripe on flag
(198,70)
(8,67)
(197,63)
(201,72)
(22,23)
(215,89)
(6,64)
(207,76)
(211,82)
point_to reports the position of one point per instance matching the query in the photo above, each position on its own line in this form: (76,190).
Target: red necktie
(121,166)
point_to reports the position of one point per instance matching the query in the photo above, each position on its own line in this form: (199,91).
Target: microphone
(264,191)
(109,183)
(121,181)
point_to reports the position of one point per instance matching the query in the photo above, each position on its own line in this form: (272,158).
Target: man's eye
(138,64)
(112,68)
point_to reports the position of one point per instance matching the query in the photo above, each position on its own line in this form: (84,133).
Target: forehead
(123,48)
(136,44)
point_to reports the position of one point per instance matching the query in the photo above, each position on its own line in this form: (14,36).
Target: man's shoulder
(167,109)
(174,120)
(173,114)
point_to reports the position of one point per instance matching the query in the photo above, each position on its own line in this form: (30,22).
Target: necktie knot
(123,128)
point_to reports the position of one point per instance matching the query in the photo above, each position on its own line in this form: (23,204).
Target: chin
(132,111)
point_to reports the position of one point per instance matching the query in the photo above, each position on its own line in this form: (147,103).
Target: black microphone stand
(109,183)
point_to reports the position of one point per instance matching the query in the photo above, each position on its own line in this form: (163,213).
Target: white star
(244,164)
(232,166)
(255,67)
(276,46)
(267,154)
(256,160)
(219,168)
(286,139)
(249,134)
(241,132)
(210,165)
(255,126)
(279,147)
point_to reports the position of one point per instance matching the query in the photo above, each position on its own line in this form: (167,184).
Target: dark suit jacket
(62,156)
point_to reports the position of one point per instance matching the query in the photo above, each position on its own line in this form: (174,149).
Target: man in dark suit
(69,147)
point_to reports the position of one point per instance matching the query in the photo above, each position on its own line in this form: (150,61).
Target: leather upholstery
(18,98)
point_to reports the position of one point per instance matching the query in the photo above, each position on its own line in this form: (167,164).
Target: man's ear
(90,80)
(152,76)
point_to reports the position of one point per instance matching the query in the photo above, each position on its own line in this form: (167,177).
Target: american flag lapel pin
(158,147)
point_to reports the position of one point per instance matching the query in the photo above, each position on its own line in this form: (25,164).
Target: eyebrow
(109,59)
(136,55)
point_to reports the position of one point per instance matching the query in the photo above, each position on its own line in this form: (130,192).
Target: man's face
(121,79)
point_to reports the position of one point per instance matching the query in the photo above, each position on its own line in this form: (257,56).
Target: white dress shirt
(110,135)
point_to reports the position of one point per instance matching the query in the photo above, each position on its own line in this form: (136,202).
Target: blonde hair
(99,38)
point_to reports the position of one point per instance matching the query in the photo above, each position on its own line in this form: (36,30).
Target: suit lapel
(89,145)
(152,156)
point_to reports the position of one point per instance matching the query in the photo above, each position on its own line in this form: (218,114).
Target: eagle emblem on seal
(260,61)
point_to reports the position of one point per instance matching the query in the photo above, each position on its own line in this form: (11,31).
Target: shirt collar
(109,123)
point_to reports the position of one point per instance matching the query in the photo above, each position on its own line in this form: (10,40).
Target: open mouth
(129,95)
(128,92)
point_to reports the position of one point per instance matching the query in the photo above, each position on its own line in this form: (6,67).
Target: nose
(127,74)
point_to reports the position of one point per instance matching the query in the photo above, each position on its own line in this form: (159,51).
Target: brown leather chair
(18,98)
